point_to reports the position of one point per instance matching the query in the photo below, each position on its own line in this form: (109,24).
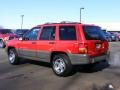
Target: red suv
(61,44)
(5,34)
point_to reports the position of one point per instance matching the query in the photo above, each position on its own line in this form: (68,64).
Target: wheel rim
(59,65)
(11,56)
(1,43)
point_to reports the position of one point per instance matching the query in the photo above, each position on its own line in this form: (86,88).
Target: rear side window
(67,33)
(48,33)
(93,33)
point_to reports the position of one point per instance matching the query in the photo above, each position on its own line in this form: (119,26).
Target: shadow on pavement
(25,61)
(89,68)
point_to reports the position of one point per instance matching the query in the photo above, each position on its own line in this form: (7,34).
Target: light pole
(81,13)
(22,21)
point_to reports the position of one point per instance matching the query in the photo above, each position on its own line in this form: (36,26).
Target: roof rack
(68,22)
(49,23)
(64,22)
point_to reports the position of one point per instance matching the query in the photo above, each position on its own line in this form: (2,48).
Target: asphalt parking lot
(31,75)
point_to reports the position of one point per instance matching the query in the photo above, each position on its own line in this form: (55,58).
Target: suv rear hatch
(95,41)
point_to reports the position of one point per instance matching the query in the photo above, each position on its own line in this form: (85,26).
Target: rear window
(93,33)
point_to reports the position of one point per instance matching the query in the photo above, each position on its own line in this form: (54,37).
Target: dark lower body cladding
(85,59)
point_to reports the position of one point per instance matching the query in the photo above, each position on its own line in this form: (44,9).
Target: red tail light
(83,48)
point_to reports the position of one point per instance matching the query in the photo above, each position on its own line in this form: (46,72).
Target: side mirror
(20,39)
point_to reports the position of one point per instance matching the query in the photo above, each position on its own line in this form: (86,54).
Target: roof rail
(49,23)
(61,22)
(68,22)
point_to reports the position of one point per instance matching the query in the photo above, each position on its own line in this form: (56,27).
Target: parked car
(107,36)
(20,32)
(110,36)
(61,44)
(118,35)
(5,34)
(113,36)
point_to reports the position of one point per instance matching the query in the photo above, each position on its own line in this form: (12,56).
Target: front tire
(61,65)
(13,57)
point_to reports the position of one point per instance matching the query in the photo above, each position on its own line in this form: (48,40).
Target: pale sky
(111,26)
(105,13)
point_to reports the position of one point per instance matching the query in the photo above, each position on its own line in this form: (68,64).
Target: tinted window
(93,33)
(48,33)
(31,35)
(67,33)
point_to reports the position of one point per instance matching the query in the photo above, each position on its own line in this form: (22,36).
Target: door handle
(51,42)
(33,42)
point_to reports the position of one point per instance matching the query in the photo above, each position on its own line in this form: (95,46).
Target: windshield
(5,31)
(93,33)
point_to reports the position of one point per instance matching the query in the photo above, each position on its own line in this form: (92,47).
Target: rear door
(95,40)
(46,42)
(67,39)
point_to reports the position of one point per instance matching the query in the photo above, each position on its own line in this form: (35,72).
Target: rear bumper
(85,59)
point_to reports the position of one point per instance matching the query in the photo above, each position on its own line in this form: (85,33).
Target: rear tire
(61,65)
(2,44)
(13,57)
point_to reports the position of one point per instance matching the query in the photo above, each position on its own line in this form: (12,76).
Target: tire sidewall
(68,65)
(15,61)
